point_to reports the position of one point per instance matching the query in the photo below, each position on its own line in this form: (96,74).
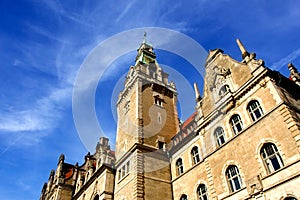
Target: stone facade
(242,142)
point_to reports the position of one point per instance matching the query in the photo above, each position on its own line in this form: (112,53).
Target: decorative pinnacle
(242,48)
(292,67)
(197,93)
(61,158)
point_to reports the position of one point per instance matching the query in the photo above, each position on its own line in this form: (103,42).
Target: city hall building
(242,141)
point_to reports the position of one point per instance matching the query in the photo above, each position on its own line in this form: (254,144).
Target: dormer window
(223,90)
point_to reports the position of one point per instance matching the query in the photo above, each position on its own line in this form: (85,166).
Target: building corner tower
(147,120)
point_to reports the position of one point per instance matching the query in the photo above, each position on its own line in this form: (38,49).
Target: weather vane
(145,37)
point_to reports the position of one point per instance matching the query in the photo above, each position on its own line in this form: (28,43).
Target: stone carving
(214,73)
(254,185)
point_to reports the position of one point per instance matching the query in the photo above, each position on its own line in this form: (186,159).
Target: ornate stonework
(242,141)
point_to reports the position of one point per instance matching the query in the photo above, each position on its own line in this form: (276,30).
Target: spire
(145,52)
(197,93)
(245,53)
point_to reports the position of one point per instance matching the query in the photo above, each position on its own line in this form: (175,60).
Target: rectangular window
(127,167)
(124,170)
(160,145)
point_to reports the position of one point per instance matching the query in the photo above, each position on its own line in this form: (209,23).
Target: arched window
(223,90)
(96,197)
(254,110)
(202,192)
(183,197)
(271,157)
(236,123)
(179,166)
(220,136)
(233,178)
(195,155)
(289,198)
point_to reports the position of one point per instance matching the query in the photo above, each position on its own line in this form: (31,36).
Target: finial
(52,173)
(197,93)
(61,158)
(145,37)
(242,48)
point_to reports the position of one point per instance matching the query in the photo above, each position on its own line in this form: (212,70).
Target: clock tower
(147,120)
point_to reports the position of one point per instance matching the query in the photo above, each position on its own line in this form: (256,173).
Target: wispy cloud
(284,61)
(125,11)
(57,8)
(43,32)
(42,115)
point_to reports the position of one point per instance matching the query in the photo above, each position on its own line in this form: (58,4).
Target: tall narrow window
(179,166)
(233,178)
(220,136)
(271,157)
(123,171)
(195,155)
(127,167)
(160,144)
(236,123)
(183,197)
(254,110)
(202,192)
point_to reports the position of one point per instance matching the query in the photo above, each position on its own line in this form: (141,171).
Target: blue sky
(43,44)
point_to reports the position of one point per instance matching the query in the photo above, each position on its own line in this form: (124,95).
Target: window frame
(179,166)
(195,155)
(255,111)
(201,191)
(124,170)
(218,136)
(270,159)
(233,178)
(236,125)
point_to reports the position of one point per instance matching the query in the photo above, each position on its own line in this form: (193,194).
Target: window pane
(201,191)
(236,123)
(275,163)
(219,134)
(237,183)
(234,180)
(255,110)
(271,157)
(179,166)
(195,155)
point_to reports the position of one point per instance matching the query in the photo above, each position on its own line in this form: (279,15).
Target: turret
(59,171)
